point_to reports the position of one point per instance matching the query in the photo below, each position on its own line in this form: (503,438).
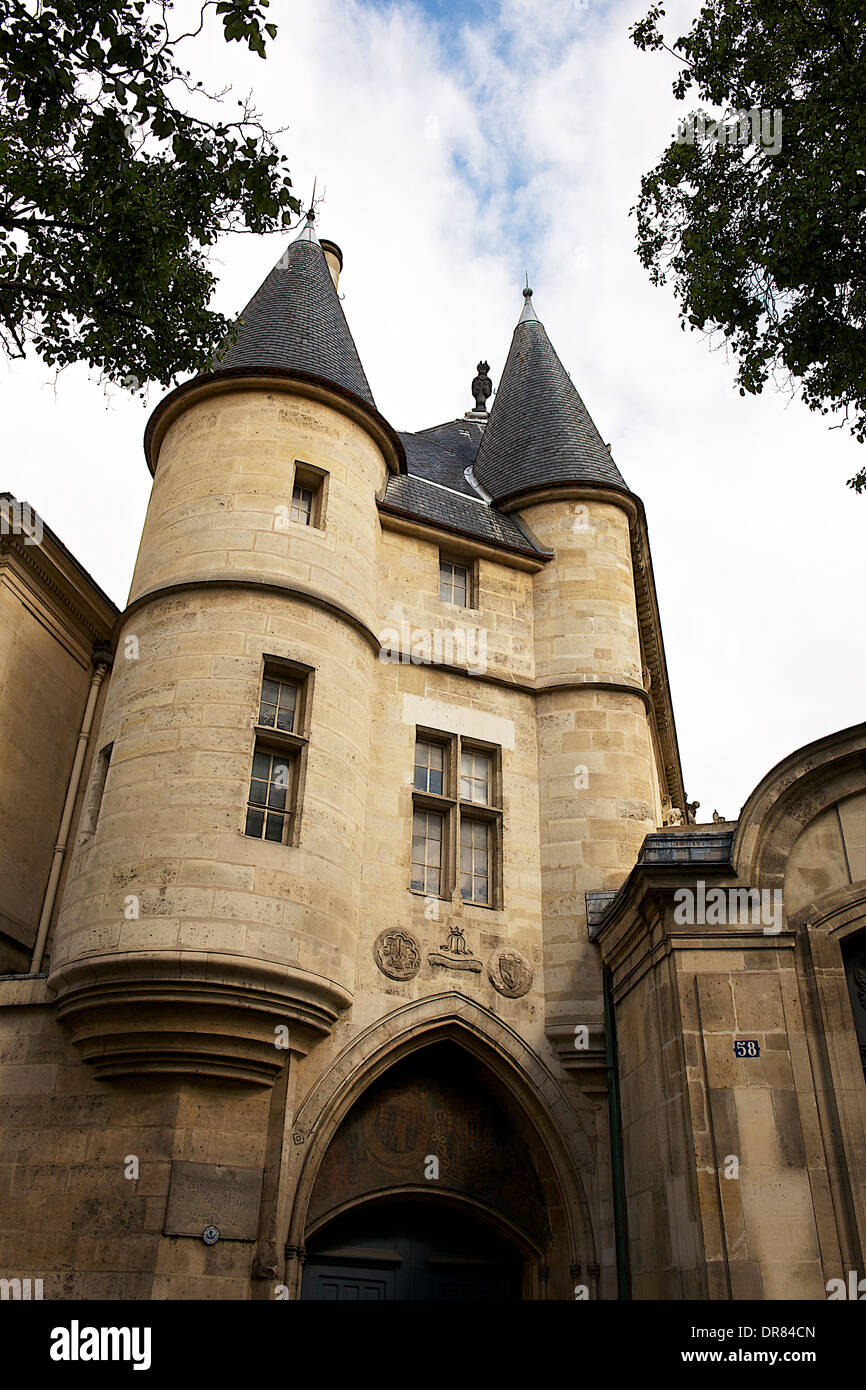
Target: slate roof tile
(295,321)
(422,500)
(539,431)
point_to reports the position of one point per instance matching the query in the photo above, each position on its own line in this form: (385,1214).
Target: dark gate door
(410,1250)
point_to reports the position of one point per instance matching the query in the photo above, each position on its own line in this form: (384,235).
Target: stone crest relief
(510,972)
(397,954)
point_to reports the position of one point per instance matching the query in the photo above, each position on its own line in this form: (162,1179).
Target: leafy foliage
(770,248)
(114,177)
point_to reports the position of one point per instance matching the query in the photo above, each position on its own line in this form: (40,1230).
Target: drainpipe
(101,661)
(623,1279)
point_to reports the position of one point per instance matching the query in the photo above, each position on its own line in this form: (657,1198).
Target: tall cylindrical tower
(213,904)
(598,774)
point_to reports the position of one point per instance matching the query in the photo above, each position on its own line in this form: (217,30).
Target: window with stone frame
(457,580)
(279,752)
(309,488)
(457,819)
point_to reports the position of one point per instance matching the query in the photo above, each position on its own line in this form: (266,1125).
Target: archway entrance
(429,1189)
(411,1249)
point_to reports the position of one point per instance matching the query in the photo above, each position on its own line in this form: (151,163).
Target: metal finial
(308,230)
(529,315)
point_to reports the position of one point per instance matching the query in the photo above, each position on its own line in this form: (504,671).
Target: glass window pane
(255,821)
(302,504)
(274,827)
(261,765)
(270,690)
(429,765)
(427,829)
(258,793)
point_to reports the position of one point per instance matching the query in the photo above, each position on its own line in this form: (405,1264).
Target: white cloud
(418,131)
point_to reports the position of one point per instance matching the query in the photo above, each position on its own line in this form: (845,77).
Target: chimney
(334,257)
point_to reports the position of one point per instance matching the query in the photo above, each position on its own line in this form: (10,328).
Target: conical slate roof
(539,431)
(295,322)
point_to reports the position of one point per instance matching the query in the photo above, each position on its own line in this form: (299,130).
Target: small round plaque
(509,972)
(397,954)
(210,1235)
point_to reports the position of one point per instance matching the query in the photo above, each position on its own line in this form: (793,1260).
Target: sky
(457,147)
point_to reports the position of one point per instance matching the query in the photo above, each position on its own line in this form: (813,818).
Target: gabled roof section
(436,491)
(443,452)
(295,322)
(539,432)
(419,499)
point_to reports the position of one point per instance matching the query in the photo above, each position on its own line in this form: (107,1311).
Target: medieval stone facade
(358,941)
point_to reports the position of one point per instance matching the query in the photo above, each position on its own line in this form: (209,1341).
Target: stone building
(357,939)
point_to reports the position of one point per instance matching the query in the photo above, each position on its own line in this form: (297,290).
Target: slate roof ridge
(457,420)
(431,482)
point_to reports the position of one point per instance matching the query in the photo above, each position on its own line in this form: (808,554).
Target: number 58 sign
(746,1047)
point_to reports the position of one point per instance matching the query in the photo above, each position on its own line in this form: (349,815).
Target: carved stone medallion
(397,954)
(510,972)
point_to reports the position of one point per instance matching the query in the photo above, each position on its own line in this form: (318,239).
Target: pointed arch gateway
(440,1077)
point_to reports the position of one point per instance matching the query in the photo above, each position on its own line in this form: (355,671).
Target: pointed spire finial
(308,231)
(529,315)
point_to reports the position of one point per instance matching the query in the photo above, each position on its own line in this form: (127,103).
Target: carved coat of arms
(397,954)
(510,972)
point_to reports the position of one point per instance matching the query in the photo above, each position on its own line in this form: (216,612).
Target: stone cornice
(638,928)
(210,384)
(192,1012)
(84,618)
(337,610)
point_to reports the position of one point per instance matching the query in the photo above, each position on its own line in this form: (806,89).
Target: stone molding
(191,1012)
